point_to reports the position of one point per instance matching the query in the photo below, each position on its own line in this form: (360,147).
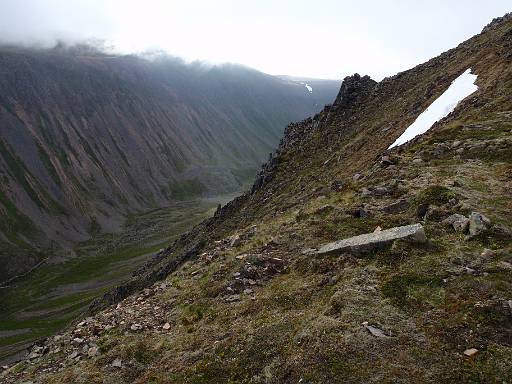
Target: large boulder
(372,241)
(478,223)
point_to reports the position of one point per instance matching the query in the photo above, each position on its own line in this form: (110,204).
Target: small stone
(337,185)
(232,298)
(166,326)
(365,192)
(505,265)
(117,363)
(73,355)
(78,340)
(470,351)
(136,327)
(357,177)
(325,208)
(34,355)
(248,291)
(55,351)
(386,161)
(235,241)
(361,213)
(378,229)
(380,191)
(93,351)
(417,161)
(374,331)
(488,253)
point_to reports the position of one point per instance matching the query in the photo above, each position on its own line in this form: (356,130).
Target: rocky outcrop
(353,89)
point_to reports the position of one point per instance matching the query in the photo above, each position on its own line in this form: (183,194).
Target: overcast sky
(316,38)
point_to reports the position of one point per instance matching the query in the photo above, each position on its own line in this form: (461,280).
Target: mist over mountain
(87,137)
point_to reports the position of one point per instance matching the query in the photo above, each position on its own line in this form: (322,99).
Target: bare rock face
(372,241)
(353,89)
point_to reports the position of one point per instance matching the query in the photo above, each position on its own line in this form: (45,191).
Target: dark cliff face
(86,137)
(353,89)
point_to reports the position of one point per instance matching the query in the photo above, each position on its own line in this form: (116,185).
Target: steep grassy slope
(242,302)
(86,138)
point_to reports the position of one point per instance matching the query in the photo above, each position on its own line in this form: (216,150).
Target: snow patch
(460,88)
(308,87)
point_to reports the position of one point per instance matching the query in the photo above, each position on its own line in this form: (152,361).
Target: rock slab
(371,241)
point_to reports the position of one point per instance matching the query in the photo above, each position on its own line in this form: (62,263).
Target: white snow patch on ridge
(461,87)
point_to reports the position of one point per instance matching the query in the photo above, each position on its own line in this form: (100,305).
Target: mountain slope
(243,302)
(86,138)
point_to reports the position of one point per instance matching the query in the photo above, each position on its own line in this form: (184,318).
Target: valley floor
(47,299)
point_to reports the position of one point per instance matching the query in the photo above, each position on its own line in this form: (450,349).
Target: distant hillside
(87,137)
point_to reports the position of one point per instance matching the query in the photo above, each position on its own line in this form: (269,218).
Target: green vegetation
(435,194)
(186,189)
(50,297)
(408,291)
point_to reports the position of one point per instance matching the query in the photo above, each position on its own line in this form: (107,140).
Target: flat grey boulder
(372,241)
